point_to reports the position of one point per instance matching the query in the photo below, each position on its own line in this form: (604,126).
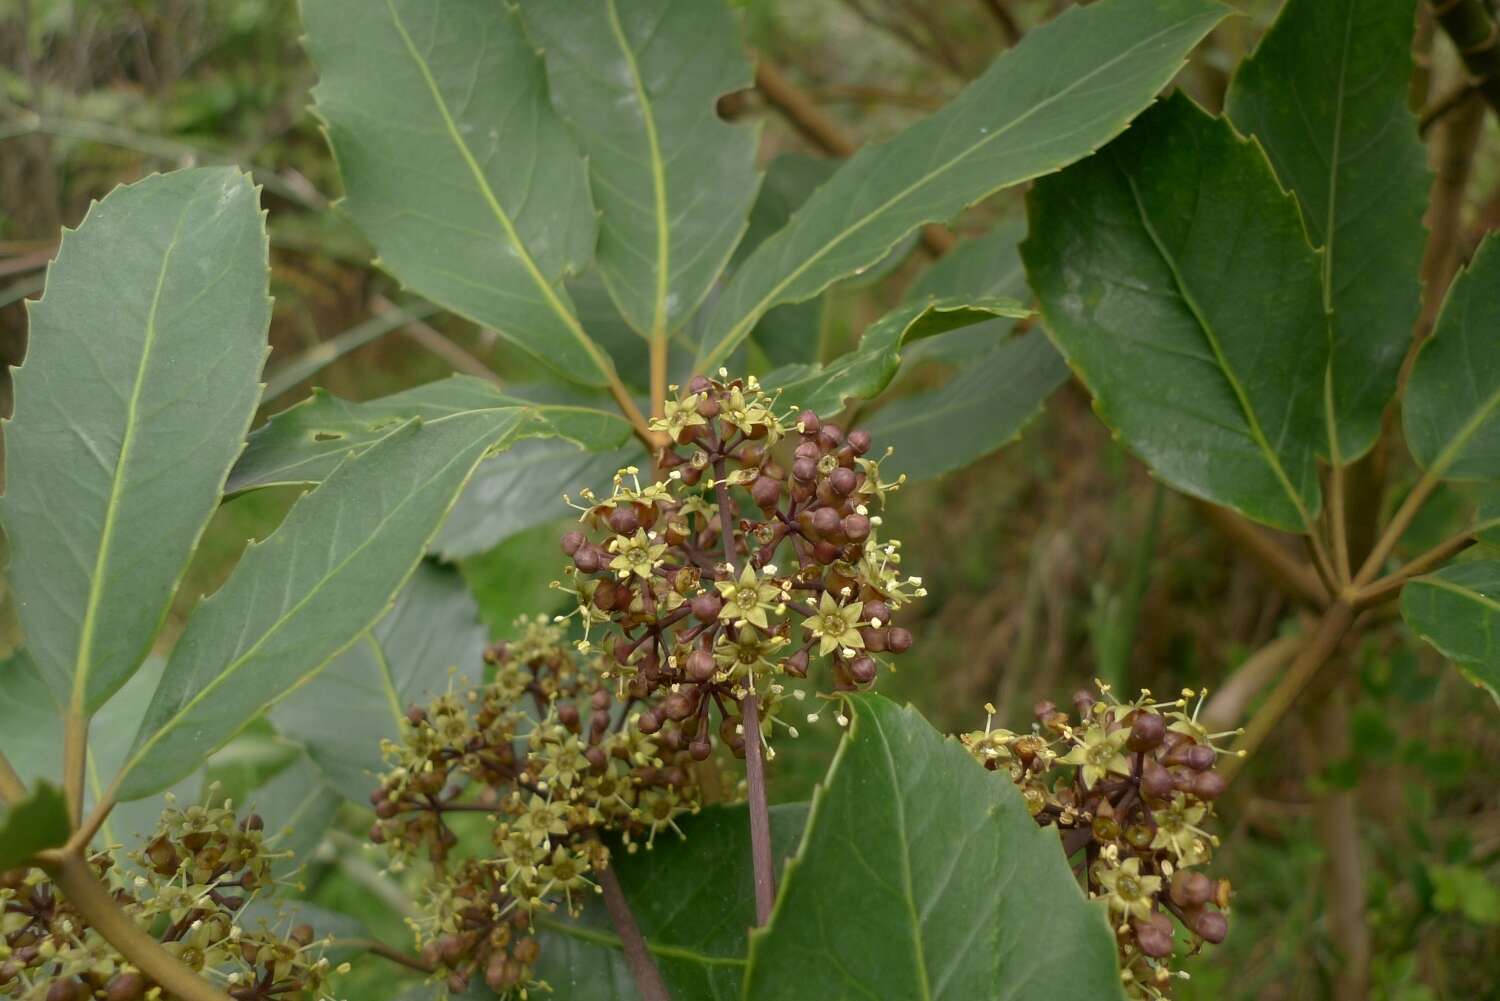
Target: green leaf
(1206,355)
(696,932)
(34,725)
(638,81)
(869,368)
(1452,407)
(304,443)
(926,876)
(986,265)
(1457,610)
(297,806)
(140,383)
(1325,92)
(36,823)
(984,406)
(523,487)
(407,657)
(304,594)
(456,167)
(1062,93)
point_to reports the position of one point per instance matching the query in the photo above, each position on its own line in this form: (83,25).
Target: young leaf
(1451,412)
(36,823)
(1063,92)
(924,874)
(1325,93)
(1457,610)
(307,592)
(638,81)
(1206,354)
(137,391)
(407,657)
(693,897)
(305,442)
(869,368)
(455,165)
(983,407)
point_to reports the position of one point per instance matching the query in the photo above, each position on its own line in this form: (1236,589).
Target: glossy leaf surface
(1067,89)
(1207,356)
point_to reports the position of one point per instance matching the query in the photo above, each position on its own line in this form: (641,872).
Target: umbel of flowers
(753,557)
(188,888)
(1131,785)
(550,760)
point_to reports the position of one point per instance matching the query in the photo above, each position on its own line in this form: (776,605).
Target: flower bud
(766,492)
(862,670)
(1191,889)
(624,519)
(1212,926)
(572,542)
(809,422)
(1199,757)
(796,664)
(859,441)
(843,481)
(1147,731)
(856,528)
(1156,781)
(898,640)
(1209,785)
(700,666)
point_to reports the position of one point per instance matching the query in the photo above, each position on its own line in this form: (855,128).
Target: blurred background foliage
(1050,563)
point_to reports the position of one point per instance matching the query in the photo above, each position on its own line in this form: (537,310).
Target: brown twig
(1325,640)
(819,128)
(1453,153)
(760,818)
(643,968)
(1009,26)
(437,343)
(1227,706)
(75,877)
(1337,820)
(1297,579)
(1476,36)
(378,948)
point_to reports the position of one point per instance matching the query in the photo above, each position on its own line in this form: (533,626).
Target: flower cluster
(188,888)
(735,571)
(1131,785)
(551,759)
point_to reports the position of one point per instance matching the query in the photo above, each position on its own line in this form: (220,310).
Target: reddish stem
(643,969)
(760,815)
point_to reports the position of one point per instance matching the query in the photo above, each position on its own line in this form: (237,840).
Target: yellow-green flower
(836,626)
(677,416)
(748,599)
(1098,753)
(1127,890)
(636,555)
(742,655)
(1177,830)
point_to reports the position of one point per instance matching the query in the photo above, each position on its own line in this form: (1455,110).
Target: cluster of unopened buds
(552,760)
(187,888)
(754,557)
(1131,785)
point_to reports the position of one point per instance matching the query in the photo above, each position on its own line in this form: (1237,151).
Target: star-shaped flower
(836,626)
(748,599)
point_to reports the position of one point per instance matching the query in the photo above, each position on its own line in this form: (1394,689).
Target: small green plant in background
(1237,292)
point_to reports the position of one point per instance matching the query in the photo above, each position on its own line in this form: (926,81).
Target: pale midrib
(904,848)
(1470,594)
(1330,408)
(565,314)
(658,178)
(84,664)
(238,662)
(743,325)
(1257,434)
(1471,427)
(387,680)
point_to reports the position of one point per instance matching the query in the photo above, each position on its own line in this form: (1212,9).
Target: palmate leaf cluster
(1236,291)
